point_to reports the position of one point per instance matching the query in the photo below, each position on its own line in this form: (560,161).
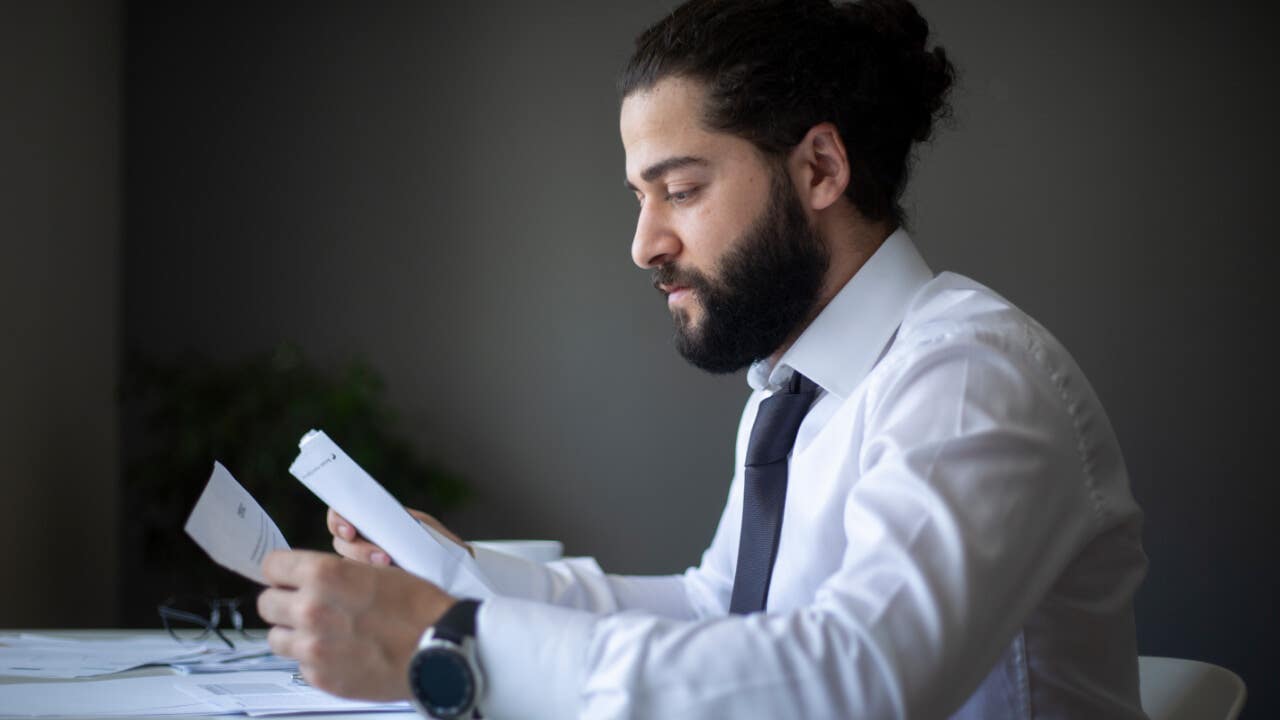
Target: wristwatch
(443,674)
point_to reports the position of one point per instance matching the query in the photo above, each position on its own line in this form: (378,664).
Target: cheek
(708,233)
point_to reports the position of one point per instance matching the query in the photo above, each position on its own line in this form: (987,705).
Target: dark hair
(775,68)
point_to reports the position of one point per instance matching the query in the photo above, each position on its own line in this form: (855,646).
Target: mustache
(672,275)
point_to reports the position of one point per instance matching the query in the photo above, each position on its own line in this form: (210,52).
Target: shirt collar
(843,343)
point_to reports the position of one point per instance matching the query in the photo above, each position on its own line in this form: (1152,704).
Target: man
(929,516)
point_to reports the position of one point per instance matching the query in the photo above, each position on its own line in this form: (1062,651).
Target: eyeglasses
(191,620)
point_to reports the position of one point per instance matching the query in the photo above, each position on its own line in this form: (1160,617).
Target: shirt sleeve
(579,583)
(971,499)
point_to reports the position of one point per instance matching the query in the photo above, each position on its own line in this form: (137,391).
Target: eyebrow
(658,169)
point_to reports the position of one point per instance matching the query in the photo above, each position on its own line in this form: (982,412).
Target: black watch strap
(458,622)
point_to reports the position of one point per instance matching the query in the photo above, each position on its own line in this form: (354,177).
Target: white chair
(1176,689)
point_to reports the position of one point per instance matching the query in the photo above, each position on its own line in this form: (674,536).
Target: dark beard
(765,287)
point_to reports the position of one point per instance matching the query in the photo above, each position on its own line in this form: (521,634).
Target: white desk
(103,634)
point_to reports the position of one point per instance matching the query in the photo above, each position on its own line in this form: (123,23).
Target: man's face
(722,229)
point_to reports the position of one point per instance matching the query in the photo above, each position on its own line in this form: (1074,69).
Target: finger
(317,677)
(432,521)
(436,524)
(361,551)
(339,526)
(440,528)
(282,641)
(275,605)
(290,568)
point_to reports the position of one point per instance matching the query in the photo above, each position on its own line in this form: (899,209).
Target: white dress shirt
(959,540)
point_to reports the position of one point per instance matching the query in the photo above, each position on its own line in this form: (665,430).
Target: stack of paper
(41,656)
(255,694)
(259,694)
(103,698)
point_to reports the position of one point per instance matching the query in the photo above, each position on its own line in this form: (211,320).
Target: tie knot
(778,421)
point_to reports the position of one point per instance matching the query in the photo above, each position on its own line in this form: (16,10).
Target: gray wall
(438,188)
(59,311)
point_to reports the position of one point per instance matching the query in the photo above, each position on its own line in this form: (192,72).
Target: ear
(820,166)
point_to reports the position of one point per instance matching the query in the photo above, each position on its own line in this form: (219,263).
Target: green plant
(184,413)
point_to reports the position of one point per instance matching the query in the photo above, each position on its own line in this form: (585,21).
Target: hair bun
(935,83)
(897,27)
(895,19)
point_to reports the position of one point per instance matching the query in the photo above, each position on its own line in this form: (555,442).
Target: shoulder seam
(1032,348)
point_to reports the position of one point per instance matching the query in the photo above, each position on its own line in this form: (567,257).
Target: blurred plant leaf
(249,415)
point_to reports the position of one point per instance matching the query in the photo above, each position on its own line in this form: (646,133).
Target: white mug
(533,550)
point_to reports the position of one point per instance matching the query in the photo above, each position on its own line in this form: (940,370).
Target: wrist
(444,675)
(433,607)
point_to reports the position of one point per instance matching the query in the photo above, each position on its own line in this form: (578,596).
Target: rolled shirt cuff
(576,582)
(533,657)
(509,575)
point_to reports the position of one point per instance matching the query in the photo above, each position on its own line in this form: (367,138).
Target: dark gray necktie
(765,491)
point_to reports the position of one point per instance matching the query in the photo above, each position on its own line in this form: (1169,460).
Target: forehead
(664,122)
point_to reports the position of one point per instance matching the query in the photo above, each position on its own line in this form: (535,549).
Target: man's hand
(349,544)
(352,627)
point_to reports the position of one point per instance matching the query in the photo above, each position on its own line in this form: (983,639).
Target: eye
(680,197)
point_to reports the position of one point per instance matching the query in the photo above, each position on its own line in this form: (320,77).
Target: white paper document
(154,695)
(260,694)
(254,693)
(344,486)
(38,656)
(229,525)
(248,655)
(254,664)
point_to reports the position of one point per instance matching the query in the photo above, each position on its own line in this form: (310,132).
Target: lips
(676,293)
(676,285)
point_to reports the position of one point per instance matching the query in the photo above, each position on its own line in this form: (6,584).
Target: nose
(655,242)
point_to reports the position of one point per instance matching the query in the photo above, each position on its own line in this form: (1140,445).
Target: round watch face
(442,681)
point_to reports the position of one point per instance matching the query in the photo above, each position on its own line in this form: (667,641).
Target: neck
(850,242)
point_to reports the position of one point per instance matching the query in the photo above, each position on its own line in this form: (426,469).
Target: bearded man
(929,516)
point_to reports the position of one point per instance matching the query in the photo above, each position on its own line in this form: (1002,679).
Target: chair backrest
(1176,689)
